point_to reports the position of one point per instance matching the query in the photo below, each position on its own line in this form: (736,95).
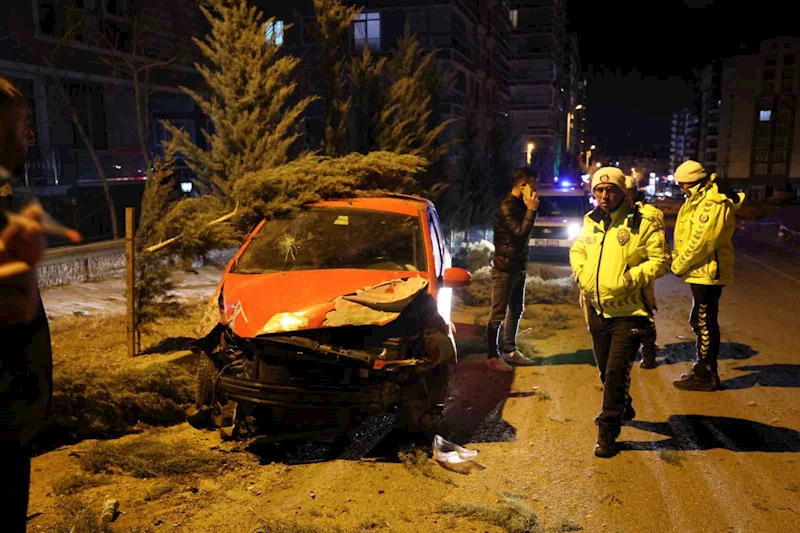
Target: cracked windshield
(319,239)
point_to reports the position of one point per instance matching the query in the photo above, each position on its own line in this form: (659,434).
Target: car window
(562,206)
(439,241)
(328,238)
(436,245)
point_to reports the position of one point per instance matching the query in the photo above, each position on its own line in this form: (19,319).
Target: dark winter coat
(513,223)
(26,376)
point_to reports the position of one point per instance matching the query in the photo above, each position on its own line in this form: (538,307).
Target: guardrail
(83,263)
(96,261)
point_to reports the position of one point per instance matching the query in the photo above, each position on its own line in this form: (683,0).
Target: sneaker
(516,358)
(495,363)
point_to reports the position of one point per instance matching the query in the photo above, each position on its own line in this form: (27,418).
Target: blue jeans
(508,303)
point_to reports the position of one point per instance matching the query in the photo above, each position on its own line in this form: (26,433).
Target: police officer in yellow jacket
(704,258)
(656,217)
(614,258)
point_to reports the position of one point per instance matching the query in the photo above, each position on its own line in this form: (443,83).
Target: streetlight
(598,165)
(589,154)
(570,116)
(528,152)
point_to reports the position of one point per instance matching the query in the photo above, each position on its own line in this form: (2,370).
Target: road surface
(727,461)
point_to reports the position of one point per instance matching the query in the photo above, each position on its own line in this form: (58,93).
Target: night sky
(640,58)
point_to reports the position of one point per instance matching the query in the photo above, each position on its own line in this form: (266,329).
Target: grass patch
(511,514)
(416,461)
(545,272)
(77,518)
(671,457)
(558,290)
(286,526)
(154,493)
(147,456)
(95,404)
(544,397)
(794,487)
(73,483)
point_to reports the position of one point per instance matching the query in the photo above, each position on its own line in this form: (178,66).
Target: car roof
(402,204)
(573,191)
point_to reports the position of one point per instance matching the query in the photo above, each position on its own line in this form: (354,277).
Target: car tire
(420,409)
(206,381)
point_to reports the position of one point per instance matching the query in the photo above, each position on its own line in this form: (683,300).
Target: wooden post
(130,280)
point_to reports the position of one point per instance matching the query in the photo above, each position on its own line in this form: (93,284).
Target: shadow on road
(765,376)
(474,406)
(169,345)
(684,352)
(697,432)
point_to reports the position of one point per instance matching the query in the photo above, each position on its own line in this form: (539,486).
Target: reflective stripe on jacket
(601,257)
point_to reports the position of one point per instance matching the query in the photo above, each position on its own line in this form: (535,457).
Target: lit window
(779,169)
(367,28)
(275,32)
(764,115)
(514,17)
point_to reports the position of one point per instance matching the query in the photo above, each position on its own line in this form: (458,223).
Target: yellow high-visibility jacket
(614,266)
(703,236)
(656,217)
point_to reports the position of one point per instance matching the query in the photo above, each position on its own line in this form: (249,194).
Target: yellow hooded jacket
(656,217)
(634,245)
(703,236)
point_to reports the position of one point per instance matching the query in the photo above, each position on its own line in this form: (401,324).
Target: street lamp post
(589,154)
(570,117)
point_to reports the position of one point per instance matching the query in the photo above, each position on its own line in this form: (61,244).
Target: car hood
(262,304)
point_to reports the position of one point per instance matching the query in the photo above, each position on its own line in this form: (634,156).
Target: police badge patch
(604,178)
(623,236)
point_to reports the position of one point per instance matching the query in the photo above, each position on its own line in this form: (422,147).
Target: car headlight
(573,230)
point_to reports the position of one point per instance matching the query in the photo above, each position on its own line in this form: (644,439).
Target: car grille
(549,232)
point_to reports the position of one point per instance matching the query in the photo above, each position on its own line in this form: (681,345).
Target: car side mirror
(456,278)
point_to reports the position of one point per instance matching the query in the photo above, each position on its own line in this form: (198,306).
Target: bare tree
(58,78)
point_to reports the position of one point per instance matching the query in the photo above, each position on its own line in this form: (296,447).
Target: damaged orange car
(338,312)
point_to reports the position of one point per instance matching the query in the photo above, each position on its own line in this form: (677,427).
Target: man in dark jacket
(25,357)
(513,222)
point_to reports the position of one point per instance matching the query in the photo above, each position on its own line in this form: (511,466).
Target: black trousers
(648,339)
(508,303)
(615,342)
(705,324)
(16,467)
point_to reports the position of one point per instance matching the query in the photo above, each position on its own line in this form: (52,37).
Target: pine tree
(366,73)
(250,100)
(332,22)
(408,122)
(153,270)
(283,190)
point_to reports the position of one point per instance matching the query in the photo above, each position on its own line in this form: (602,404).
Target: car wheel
(423,399)
(206,381)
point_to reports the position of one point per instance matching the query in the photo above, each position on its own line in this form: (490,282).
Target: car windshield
(563,206)
(328,238)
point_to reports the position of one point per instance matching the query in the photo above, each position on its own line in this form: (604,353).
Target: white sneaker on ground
(495,363)
(516,358)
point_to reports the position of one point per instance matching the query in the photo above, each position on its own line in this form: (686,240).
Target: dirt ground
(723,462)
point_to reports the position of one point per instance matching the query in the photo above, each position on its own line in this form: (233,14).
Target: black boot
(699,379)
(629,413)
(606,441)
(648,357)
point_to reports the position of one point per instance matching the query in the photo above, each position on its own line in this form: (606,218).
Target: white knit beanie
(689,172)
(611,175)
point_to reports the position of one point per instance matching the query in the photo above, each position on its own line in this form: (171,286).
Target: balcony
(53,165)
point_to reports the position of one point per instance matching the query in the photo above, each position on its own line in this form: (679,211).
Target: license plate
(543,242)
